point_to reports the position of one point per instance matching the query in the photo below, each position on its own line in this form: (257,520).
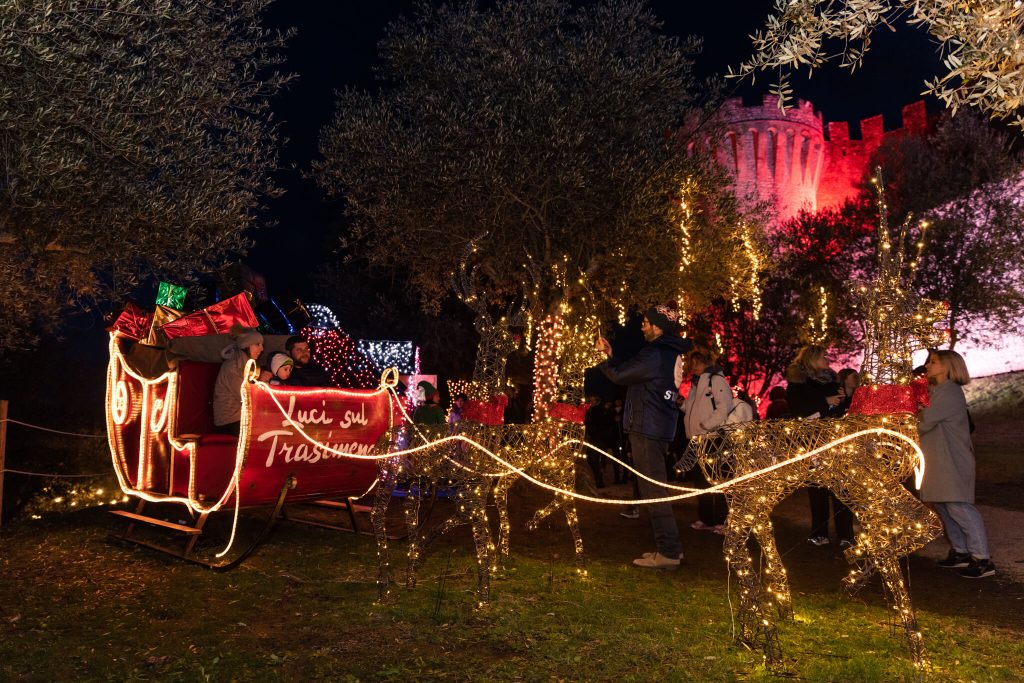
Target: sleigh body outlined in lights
(165,450)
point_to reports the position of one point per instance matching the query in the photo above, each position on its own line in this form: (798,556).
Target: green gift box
(171,295)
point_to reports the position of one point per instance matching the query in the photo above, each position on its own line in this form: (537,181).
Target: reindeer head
(897,321)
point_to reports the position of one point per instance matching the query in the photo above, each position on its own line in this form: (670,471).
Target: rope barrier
(54,431)
(56,476)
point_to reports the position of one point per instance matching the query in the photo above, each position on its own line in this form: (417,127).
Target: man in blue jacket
(650,416)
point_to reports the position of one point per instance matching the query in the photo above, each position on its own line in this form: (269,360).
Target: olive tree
(967,184)
(543,146)
(135,139)
(981,45)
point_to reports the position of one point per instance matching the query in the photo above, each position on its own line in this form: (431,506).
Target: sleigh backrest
(196,381)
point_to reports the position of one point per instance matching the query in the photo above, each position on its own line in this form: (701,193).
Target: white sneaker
(630,513)
(657,561)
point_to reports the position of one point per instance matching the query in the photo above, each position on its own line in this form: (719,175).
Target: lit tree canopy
(968,185)
(135,140)
(550,139)
(981,41)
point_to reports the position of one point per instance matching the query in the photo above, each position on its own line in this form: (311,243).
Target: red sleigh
(296,444)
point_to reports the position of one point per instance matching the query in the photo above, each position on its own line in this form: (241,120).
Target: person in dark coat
(305,372)
(813,392)
(652,378)
(949,466)
(849,380)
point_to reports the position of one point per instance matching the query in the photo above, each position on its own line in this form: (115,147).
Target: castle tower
(776,157)
(791,160)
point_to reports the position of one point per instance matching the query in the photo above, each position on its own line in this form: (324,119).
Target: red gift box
(567,412)
(132,323)
(215,319)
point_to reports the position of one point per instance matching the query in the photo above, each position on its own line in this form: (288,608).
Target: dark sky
(335,46)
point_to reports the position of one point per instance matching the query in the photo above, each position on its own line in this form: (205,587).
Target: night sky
(335,46)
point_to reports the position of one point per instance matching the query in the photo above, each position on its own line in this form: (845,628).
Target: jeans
(649,459)
(965,528)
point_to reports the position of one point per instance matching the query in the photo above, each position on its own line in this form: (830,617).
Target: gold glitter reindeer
(863,458)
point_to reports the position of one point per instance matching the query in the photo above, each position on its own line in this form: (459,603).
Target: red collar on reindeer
(878,399)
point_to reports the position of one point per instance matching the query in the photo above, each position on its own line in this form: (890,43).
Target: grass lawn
(74,606)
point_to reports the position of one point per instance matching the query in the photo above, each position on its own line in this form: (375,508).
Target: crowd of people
(655,419)
(673,393)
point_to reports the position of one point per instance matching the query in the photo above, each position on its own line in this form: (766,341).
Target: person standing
(430,413)
(652,379)
(849,380)
(455,413)
(706,408)
(949,465)
(813,393)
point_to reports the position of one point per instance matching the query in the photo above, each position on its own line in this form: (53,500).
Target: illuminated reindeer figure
(548,449)
(453,465)
(461,466)
(862,458)
(538,449)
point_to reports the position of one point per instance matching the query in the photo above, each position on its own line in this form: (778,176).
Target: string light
(817,326)
(390,354)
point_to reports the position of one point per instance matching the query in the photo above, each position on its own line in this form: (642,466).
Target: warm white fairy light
(817,325)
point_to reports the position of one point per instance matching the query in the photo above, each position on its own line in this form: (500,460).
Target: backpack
(741,412)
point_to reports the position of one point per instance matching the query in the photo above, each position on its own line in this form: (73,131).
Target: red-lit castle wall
(791,160)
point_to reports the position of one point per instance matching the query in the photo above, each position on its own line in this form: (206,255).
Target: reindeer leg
(477,500)
(889,567)
(386,473)
(776,583)
(757,628)
(888,511)
(412,523)
(501,490)
(572,519)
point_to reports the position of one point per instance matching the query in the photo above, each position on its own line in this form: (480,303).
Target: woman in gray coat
(948,483)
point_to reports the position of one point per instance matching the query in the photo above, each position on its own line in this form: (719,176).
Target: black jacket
(650,376)
(809,397)
(310,375)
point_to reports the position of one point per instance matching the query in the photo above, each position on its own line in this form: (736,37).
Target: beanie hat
(279,360)
(664,316)
(428,388)
(247,336)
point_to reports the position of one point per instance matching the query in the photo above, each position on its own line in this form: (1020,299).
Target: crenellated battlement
(791,159)
(849,158)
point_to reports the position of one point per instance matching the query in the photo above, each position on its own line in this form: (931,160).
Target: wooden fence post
(3,448)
